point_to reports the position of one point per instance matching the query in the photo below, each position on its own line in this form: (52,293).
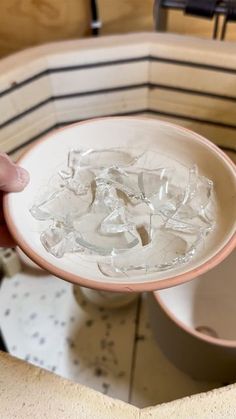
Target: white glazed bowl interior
(170,142)
(207,304)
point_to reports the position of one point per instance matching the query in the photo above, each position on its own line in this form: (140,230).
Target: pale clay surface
(32,392)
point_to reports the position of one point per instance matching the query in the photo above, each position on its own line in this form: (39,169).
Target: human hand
(13,178)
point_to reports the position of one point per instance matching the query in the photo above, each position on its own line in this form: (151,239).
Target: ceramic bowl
(171,143)
(26,261)
(195,323)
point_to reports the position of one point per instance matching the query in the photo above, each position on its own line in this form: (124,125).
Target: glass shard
(118,207)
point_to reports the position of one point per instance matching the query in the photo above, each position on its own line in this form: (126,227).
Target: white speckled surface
(49,324)
(43,324)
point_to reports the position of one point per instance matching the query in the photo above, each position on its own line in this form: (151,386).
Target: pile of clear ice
(124,214)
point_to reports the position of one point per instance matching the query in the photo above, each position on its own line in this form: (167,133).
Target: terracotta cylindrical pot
(195,323)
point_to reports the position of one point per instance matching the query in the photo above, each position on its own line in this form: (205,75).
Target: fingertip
(13,178)
(23,177)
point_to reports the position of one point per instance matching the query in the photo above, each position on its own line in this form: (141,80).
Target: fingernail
(23,176)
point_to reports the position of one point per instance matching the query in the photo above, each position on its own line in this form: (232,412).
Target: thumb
(12,177)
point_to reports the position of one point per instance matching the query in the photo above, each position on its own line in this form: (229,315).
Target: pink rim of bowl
(198,335)
(128,286)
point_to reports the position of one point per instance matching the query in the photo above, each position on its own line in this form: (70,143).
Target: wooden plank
(224,137)
(124,16)
(178,22)
(26,23)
